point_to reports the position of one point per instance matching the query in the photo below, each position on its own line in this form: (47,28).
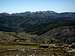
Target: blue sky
(16,6)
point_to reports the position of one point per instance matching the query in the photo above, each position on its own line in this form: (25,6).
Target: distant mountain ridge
(38,27)
(36,22)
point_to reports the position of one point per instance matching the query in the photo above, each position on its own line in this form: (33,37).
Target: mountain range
(41,23)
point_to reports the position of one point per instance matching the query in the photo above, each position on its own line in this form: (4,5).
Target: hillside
(41,33)
(38,27)
(64,34)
